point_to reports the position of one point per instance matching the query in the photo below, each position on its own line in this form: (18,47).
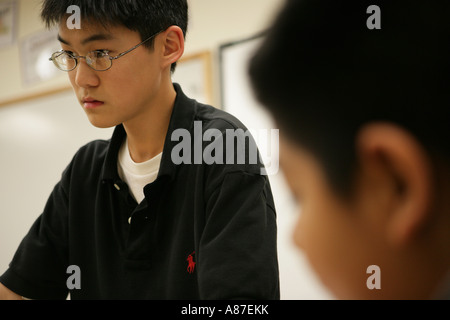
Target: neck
(146,133)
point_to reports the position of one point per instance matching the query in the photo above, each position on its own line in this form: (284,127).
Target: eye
(70,53)
(101,53)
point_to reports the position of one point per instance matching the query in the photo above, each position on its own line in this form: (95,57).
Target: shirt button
(117,186)
(129,220)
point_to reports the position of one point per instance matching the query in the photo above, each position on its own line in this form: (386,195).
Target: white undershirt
(137,175)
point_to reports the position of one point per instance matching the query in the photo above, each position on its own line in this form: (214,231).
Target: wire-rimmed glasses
(99,60)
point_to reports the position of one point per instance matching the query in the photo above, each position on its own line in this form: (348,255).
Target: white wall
(36,149)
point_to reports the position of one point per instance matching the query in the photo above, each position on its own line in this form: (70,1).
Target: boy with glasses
(133,224)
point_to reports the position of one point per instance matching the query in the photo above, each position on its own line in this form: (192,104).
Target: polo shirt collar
(182,117)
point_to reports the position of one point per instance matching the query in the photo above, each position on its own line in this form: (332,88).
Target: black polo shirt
(202,231)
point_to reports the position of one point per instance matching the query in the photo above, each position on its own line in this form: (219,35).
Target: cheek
(328,230)
(316,232)
(324,232)
(132,85)
(72,75)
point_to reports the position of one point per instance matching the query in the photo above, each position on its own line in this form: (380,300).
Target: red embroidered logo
(191,263)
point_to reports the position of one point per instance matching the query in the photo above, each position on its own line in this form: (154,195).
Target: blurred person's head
(365,138)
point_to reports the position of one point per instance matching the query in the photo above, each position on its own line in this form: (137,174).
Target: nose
(85,76)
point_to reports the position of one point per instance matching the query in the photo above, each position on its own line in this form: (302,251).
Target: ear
(401,159)
(173,45)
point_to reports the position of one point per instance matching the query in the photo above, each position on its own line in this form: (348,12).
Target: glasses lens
(64,61)
(99,60)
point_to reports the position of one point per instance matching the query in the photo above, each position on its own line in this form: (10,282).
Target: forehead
(66,25)
(91,31)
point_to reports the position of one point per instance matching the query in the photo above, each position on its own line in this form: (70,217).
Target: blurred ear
(173,45)
(394,154)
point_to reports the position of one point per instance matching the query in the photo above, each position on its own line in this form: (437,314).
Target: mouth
(91,103)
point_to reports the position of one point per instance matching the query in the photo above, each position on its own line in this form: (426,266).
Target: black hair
(144,16)
(323,74)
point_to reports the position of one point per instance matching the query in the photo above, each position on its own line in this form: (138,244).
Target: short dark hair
(323,74)
(144,16)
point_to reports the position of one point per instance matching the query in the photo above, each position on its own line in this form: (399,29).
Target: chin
(102,123)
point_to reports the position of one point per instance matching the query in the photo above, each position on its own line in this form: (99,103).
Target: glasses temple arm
(135,47)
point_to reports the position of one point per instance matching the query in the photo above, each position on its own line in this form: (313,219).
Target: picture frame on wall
(194,74)
(35,50)
(8,22)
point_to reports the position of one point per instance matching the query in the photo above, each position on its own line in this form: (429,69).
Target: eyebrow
(95,37)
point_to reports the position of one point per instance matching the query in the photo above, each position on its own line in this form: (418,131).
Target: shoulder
(92,152)
(88,160)
(214,118)
(227,145)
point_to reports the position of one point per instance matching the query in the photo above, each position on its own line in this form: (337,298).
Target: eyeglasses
(99,60)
